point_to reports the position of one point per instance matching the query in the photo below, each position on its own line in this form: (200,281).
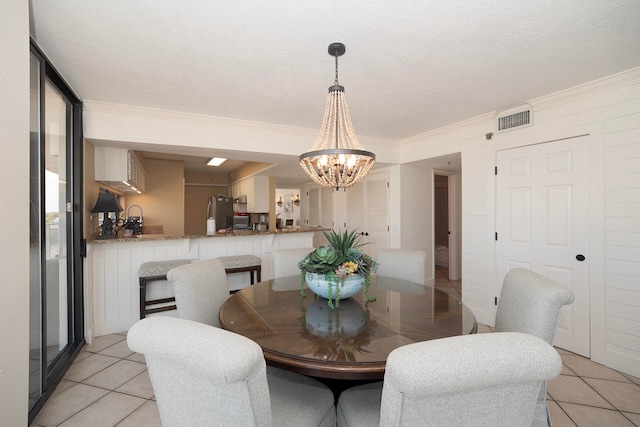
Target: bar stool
(152,272)
(243,263)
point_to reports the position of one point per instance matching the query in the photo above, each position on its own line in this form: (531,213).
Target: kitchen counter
(112,297)
(228,233)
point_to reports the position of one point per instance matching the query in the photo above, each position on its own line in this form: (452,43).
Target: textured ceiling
(410,66)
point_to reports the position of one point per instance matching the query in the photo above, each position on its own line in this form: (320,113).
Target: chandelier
(337,159)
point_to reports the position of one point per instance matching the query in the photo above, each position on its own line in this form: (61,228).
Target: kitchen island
(111,268)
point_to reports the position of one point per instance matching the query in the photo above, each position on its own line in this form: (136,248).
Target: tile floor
(108,385)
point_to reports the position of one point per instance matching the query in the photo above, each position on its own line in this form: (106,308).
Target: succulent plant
(337,260)
(324,259)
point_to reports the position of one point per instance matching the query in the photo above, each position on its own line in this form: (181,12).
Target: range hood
(120,169)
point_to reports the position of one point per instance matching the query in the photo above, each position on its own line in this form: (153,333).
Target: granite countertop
(228,233)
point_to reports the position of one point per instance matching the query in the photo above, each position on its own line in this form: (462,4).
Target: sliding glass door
(55,264)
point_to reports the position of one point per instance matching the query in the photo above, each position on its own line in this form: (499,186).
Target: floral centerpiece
(337,262)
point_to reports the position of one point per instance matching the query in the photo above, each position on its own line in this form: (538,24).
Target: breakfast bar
(111,294)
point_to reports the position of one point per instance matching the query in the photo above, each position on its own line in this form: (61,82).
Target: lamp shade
(107,202)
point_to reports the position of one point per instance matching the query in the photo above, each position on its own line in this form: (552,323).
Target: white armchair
(404,264)
(470,380)
(531,303)
(205,376)
(200,289)
(285,261)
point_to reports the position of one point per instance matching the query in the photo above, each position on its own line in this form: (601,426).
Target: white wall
(416,205)
(14,262)
(608,110)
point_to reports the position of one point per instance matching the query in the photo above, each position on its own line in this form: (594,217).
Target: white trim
(587,90)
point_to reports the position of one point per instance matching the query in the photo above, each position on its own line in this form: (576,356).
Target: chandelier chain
(336,82)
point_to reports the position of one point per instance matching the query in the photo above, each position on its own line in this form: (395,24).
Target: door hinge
(388,228)
(495,301)
(495,171)
(496,236)
(387,184)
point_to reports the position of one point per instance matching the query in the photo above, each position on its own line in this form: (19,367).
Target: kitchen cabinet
(256,188)
(120,169)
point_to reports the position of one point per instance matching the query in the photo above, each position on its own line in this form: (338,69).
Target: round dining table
(298,331)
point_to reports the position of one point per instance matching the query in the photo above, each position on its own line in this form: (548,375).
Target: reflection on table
(300,332)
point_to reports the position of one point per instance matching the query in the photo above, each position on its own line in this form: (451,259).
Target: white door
(368,211)
(542,223)
(326,207)
(314,207)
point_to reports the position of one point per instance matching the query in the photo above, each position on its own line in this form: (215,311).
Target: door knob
(580,257)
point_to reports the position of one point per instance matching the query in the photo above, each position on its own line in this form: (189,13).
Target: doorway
(446,223)
(441,230)
(55,266)
(542,224)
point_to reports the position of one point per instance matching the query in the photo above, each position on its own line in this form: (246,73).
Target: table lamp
(106,203)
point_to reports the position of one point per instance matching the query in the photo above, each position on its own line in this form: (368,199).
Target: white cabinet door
(542,224)
(256,189)
(247,186)
(260,193)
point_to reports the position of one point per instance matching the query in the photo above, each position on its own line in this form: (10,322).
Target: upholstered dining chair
(531,303)
(206,376)
(469,380)
(404,264)
(200,289)
(285,261)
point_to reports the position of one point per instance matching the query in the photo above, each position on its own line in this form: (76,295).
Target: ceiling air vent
(517,118)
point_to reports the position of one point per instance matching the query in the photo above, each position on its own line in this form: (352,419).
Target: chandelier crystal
(337,159)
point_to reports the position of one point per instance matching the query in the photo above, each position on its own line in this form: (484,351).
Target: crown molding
(480,120)
(586,90)
(129,110)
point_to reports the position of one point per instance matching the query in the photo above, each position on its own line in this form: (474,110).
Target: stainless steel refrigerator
(221,209)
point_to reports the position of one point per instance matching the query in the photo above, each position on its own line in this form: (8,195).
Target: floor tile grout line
(599,394)
(596,391)
(97,372)
(93,403)
(115,390)
(108,391)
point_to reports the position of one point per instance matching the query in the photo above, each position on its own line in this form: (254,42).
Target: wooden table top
(302,334)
